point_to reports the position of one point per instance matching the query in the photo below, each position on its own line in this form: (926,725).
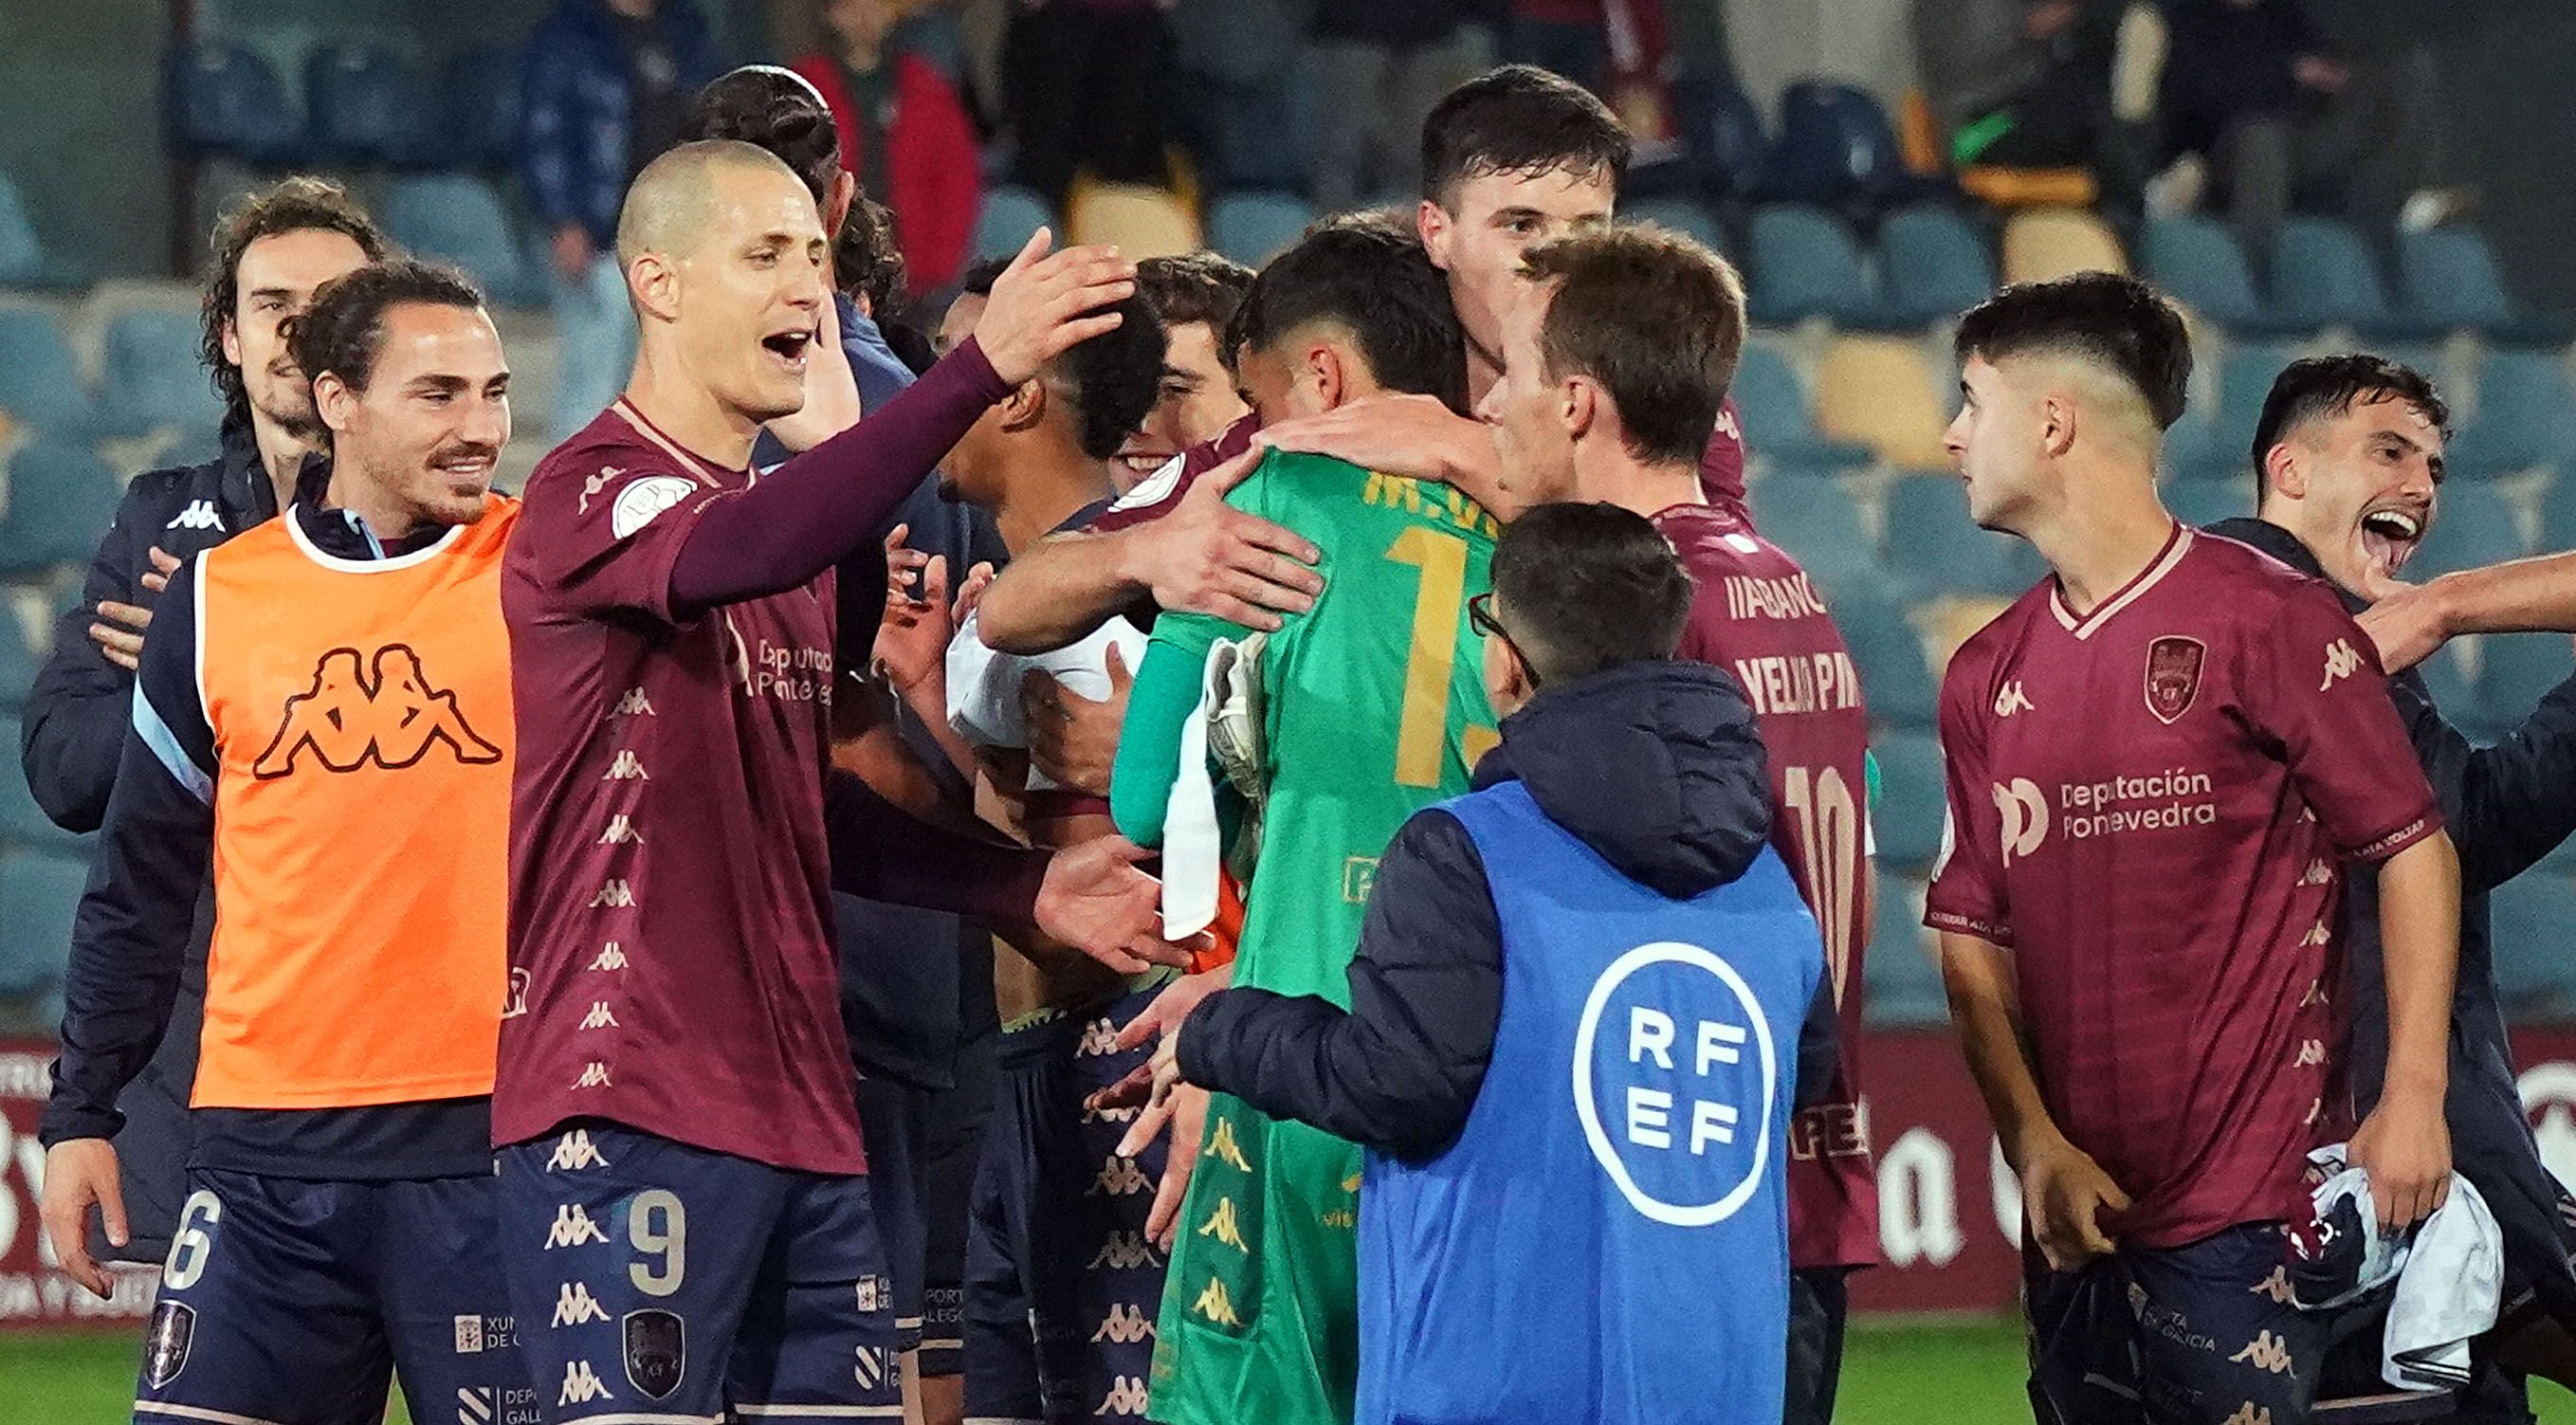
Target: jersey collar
(2177,545)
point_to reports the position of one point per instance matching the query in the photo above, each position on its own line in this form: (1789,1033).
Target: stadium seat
(1771,405)
(1913,803)
(2517,670)
(458,218)
(1933,265)
(39,382)
(1678,214)
(153,380)
(2474,526)
(1815,521)
(2054,242)
(225,98)
(62,498)
(480,90)
(18,665)
(1836,144)
(2324,275)
(2206,502)
(2558,514)
(2449,279)
(368,105)
(1252,228)
(2200,263)
(1931,540)
(1877,391)
(2534,917)
(1901,969)
(1807,264)
(1141,221)
(2526,415)
(1723,138)
(2219,447)
(24,263)
(1010,213)
(39,895)
(1895,680)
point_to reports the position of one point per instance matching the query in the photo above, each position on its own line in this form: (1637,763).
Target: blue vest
(1608,1239)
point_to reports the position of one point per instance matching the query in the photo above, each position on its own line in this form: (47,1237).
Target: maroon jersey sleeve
(1154,497)
(2312,685)
(1967,892)
(602,528)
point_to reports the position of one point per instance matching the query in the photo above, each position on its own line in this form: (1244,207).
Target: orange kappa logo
(388,715)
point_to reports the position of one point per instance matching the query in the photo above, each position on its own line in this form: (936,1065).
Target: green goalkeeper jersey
(1372,707)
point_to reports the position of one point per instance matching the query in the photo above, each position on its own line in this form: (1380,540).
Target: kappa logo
(2342,660)
(1126,1397)
(591,487)
(469,1335)
(2023,808)
(2275,1286)
(610,957)
(1221,1225)
(594,1075)
(644,500)
(574,1152)
(1119,1177)
(2319,873)
(575,1306)
(621,832)
(2317,935)
(1221,1145)
(2012,700)
(515,1003)
(1124,1252)
(599,1016)
(2311,1052)
(1125,1325)
(388,717)
(2266,1352)
(2316,1110)
(1215,1305)
(625,767)
(200,514)
(476,1404)
(1099,1037)
(1109,1115)
(615,895)
(581,1385)
(2316,994)
(2251,1414)
(633,704)
(572,1228)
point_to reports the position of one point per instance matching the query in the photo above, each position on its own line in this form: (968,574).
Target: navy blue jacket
(1604,757)
(2506,806)
(575,120)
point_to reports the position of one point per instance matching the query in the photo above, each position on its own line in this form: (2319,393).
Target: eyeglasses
(1480,617)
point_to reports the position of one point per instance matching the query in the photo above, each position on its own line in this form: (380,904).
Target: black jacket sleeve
(130,936)
(1819,1045)
(76,715)
(1400,1070)
(2508,805)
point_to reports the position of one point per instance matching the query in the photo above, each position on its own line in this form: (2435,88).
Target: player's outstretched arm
(2405,1143)
(2410,621)
(1410,435)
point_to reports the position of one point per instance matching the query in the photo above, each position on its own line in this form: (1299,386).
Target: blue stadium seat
(2517,670)
(62,498)
(2446,677)
(1931,540)
(2473,526)
(39,382)
(1895,679)
(1815,522)
(39,895)
(1807,264)
(2526,415)
(153,380)
(1252,228)
(2324,275)
(458,218)
(1935,266)
(1779,424)
(1678,214)
(24,263)
(369,105)
(18,666)
(2206,502)
(1913,802)
(480,90)
(1723,138)
(1836,143)
(2450,280)
(1900,972)
(2200,264)
(2558,514)
(226,99)
(2220,448)
(1010,213)
(2535,923)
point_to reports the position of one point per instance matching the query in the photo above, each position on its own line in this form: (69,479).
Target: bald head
(678,196)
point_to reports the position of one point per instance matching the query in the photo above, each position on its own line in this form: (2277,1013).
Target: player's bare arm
(2410,621)
(1408,435)
(2405,1143)
(2063,1190)
(1204,556)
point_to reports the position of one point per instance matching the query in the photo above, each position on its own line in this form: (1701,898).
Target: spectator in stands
(1380,66)
(267,258)
(2258,94)
(1571,37)
(608,87)
(904,133)
(1086,92)
(2020,83)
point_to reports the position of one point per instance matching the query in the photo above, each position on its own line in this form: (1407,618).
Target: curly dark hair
(291,205)
(344,330)
(866,260)
(1114,377)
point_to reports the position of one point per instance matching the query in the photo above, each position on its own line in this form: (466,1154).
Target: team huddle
(1341,730)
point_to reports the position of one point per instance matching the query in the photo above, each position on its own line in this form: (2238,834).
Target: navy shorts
(656,1281)
(294,1302)
(2201,1334)
(1819,1302)
(952,1146)
(1062,1289)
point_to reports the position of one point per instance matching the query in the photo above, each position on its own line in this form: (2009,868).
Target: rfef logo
(355,715)
(1675,1080)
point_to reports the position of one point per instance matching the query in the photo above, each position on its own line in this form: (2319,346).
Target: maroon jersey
(670,966)
(2148,805)
(1756,615)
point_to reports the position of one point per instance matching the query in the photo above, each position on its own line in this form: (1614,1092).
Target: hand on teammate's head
(1044,303)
